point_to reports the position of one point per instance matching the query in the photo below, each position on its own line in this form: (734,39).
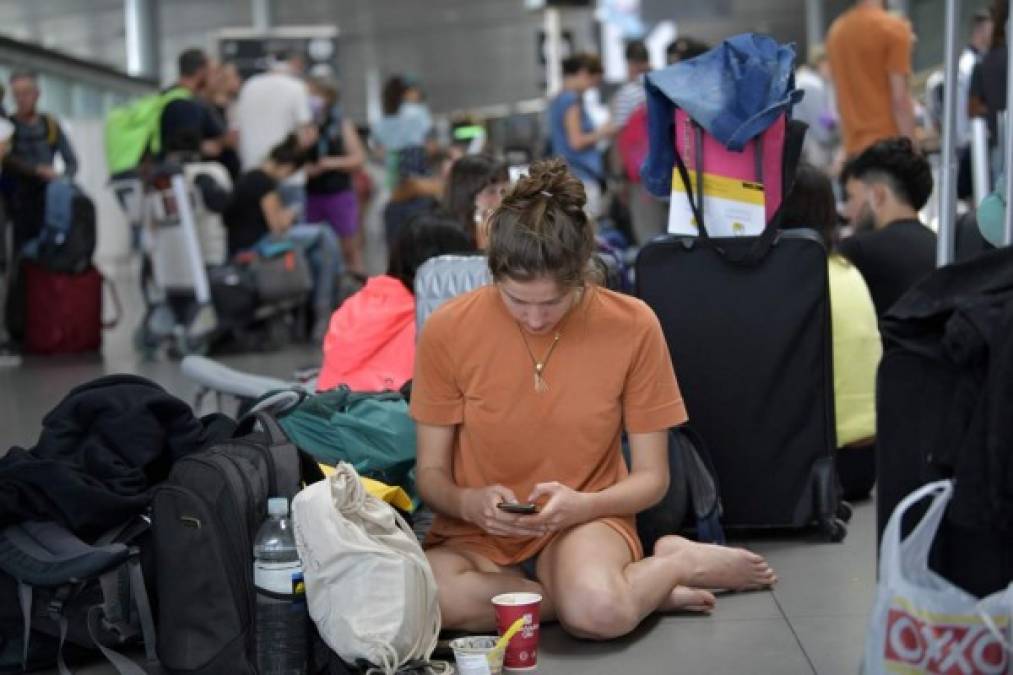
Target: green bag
(371,431)
(133,129)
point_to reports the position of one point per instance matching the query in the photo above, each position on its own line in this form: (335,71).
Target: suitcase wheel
(835,530)
(844,512)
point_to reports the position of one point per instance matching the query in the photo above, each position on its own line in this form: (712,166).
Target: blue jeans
(323,251)
(294,196)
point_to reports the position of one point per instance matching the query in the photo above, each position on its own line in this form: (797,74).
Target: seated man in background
(886,186)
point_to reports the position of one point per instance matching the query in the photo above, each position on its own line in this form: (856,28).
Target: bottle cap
(277,506)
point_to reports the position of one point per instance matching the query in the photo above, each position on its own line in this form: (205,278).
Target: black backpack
(205,518)
(693,500)
(71,252)
(62,598)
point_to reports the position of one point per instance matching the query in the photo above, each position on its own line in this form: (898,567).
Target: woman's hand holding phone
(481,507)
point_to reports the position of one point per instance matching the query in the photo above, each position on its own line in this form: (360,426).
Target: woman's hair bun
(549,179)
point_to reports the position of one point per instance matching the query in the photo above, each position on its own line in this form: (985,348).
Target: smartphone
(522,509)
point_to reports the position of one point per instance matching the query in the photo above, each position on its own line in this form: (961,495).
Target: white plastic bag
(921,622)
(369,587)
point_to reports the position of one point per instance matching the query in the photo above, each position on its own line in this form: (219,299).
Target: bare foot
(718,567)
(683,599)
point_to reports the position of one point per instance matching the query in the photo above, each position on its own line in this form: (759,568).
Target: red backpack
(632,143)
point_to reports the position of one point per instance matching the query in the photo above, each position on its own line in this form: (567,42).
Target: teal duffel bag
(371,431)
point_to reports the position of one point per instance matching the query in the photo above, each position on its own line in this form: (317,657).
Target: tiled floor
(813,622)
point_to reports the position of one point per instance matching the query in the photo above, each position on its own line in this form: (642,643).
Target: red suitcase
(64,311)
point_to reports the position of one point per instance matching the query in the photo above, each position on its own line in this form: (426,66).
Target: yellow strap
(392,494)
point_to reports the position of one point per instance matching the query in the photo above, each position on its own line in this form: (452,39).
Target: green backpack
(133,129)
(371,431)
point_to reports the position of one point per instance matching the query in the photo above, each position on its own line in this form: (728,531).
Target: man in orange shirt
(870,57)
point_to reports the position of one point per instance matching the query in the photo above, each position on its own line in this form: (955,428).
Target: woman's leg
(345,218)
(324,254)
(599,593)
(467,583)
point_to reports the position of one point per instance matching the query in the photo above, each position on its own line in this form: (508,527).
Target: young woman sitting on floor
(521,392)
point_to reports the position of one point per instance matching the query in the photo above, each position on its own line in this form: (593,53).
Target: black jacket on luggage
(945,409)
(101,451)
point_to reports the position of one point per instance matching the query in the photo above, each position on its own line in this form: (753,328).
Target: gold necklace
(541,386)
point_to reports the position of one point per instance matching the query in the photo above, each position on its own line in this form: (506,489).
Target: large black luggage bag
(945,410)
(747,321)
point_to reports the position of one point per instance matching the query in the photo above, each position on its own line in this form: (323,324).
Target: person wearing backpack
(189,120)
(522,390)
(38,138)
(629,114)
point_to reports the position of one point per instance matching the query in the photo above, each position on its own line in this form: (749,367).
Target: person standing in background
(331,161)
(870,61)
(572,135)
(819,110)
(221,93)
(9,356)
(189,123)
(987,96)
(38,138)
(629,115)
(271,106)
(404,138)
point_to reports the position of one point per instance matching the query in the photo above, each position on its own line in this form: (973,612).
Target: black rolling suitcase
(747,321)
(752,350)
(945,410)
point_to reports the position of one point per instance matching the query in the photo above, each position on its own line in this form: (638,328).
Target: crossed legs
(590,584)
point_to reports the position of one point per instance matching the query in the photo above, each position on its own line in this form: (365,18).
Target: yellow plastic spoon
(504,640)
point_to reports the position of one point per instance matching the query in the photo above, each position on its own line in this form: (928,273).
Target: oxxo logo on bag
(943,644)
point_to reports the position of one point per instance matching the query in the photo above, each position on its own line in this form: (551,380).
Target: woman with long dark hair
(475,189)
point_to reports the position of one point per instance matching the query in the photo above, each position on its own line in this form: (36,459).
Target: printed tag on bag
(923,642)
(731,207)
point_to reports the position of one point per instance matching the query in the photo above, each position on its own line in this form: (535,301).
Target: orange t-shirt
(865,45)
(611,369)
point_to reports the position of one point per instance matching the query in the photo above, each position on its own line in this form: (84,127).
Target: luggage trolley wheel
(835,530)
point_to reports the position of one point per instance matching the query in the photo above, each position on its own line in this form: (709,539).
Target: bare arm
(576,137)
(279,219)
(355,155)
(900,102)
(644,487)
(434,478)
(433,470)
(646,484)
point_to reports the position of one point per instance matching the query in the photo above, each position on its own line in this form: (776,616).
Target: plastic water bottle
(281,631)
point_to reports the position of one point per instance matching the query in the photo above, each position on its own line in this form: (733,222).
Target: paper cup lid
(516,599)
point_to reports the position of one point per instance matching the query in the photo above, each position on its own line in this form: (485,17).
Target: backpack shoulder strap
(290,464)
(52,130)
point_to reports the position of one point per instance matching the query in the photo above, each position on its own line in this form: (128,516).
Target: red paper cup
(522,652)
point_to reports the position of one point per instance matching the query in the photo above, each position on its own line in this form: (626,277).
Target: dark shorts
(340,210)
(530,567)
